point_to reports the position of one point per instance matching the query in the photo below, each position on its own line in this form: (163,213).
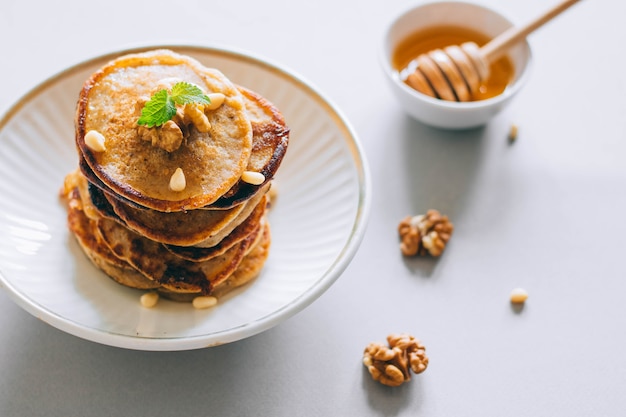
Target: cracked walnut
(425,233)
(391,365)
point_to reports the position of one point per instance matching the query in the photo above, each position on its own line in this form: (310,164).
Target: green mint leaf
(184,92)
(158,110)
(162,105)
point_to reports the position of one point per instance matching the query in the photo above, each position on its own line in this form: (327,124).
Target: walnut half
(391,365)
(425,233)
(168,137)
(171,134)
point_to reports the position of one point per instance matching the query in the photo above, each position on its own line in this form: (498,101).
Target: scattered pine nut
(177,181)
(149,299)
(204,302)
(513,133)
(95,141)
(254,178)
(519,296)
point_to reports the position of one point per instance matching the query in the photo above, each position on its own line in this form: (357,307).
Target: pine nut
(177,181)
(217,99)
(149,299)
(518,295)
(95,141)
(204,302)
(513,133)
(254,178)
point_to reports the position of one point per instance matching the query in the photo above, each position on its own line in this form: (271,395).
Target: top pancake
(270,138)
(110,103)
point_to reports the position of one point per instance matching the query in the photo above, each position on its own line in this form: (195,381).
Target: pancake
(170,271)
(184,228)
(212,162)
(250,225)
(270,138)
(76,180)
(215,245)
(249,269)
(85,232)
(97,203)
(269,144)
(96,249)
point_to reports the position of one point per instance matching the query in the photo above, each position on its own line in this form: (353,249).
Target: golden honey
(501,71)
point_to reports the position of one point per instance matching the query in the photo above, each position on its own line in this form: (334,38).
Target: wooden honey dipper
(455,73)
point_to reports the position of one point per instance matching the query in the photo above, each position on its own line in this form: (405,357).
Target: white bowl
(441,113)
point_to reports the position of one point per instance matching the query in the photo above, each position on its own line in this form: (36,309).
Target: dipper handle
(498,45)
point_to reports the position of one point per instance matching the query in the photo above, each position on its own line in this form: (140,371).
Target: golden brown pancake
(76,180)
(184,228)
(87,235)
(135,169)
(269,145)
(85,232)
(270,138)
(249,269)
(250,225)
(172,272)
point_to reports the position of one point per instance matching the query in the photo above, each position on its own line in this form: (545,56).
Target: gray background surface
(545,213)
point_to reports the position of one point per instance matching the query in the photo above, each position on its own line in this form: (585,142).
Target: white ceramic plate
(317,222)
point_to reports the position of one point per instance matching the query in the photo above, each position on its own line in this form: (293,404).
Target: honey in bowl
(501,70)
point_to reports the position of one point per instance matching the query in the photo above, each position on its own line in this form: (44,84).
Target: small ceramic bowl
(449,114)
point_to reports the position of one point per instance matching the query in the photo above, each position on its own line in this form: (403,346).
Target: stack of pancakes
(205,239)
